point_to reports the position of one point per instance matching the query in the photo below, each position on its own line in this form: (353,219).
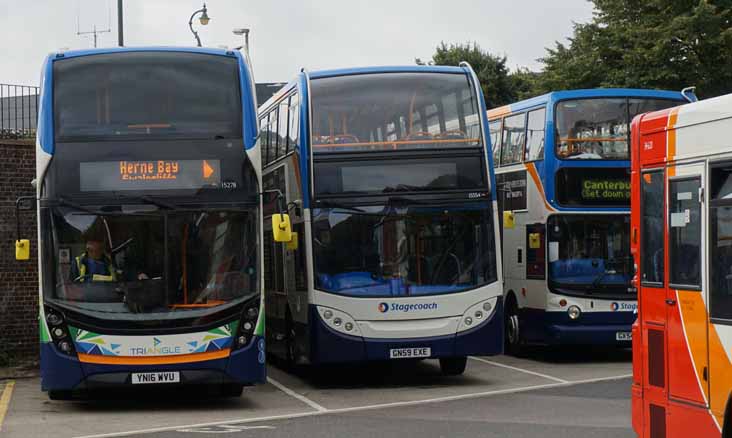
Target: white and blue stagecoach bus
(388,181)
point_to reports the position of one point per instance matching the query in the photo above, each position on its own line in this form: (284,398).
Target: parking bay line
(510,367)
(360,408)
(5,401)
(293,394)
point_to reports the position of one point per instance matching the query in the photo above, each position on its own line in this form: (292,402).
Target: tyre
(514,341)
(59,394)
(290,342)
(232,390)
(453,366)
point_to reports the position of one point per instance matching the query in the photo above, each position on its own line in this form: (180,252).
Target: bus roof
(107,50)
(318,74)
(717,108)
(386,69)
(579,94)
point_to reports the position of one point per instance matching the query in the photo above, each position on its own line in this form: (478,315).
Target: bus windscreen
(599,128)
(394,111)
(147,95)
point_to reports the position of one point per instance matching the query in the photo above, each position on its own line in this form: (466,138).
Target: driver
(93,264)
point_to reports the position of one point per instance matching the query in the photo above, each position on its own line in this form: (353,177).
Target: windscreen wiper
(66,203)
(149,200)
(333,204)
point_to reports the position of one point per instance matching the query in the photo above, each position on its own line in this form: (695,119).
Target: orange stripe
(539,186)
(673,117)
(382,143)
(498,112)
(153,360)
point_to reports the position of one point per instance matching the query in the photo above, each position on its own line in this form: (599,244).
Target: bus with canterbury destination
(563,180)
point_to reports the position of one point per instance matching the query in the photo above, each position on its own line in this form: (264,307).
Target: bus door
(274,262)
(686,322)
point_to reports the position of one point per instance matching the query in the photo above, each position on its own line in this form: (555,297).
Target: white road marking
(358,408)
(534,373)
(224,428)
(293,394)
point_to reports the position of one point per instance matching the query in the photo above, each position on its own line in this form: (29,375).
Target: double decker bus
(682,243)
(562,175)
(388,180)
(149,220)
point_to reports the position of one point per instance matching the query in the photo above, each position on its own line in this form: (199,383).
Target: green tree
(498,88)
(668,44)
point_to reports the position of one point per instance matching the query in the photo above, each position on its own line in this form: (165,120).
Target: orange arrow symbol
(207,170)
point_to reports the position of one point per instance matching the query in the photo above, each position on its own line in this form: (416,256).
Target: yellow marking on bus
(5,401)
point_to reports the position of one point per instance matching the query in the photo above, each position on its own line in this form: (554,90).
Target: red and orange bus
(681,240)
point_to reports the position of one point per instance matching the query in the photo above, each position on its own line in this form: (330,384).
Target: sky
(287,35)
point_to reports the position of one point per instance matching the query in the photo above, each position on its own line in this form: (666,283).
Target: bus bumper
(329,346)
(59,371)
(599,328)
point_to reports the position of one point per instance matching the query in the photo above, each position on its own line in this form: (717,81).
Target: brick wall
(18,280)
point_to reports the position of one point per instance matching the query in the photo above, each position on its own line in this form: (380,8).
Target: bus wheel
(232,390)
(513,329)
(290,342)
(453,366)
(59,394)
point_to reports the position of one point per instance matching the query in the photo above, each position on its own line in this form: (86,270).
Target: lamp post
(245,32)
(204,19)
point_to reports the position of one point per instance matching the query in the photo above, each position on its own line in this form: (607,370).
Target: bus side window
(720,243)
(684,212)
(282,128)
(652,226)
(264,137)
(294,121)
(514,136)
(535,135)
(495,134)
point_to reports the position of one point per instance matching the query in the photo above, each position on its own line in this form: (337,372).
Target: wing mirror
(22,246)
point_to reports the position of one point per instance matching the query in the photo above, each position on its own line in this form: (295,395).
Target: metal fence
(18,111)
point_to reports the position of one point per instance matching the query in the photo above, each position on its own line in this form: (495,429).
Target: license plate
(406,353)
(623,336)
(159,377)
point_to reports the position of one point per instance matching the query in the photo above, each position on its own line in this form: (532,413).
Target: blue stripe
(387,69)
(304,139)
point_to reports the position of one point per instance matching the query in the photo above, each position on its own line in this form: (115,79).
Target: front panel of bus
(571,218)
(149,223)
(403,238)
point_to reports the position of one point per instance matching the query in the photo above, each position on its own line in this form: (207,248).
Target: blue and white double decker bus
(563,180)
(149,220)
(387,177)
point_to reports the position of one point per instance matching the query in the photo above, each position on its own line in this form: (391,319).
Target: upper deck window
(147,95)
(394,111)
(599,128)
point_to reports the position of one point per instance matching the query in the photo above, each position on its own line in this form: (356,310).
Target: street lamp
(245,32)
(203,19)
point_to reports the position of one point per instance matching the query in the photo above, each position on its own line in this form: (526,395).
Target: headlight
(477,314)
(574,312)
(339,321)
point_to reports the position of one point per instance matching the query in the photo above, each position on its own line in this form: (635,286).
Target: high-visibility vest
(81,266)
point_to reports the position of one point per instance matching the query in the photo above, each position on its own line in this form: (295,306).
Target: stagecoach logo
(411,307)
(623,306)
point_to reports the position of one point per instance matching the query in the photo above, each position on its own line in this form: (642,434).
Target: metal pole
(120,31)
(190,25)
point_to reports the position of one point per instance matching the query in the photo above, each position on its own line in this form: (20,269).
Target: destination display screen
(104,176)
(609,187)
